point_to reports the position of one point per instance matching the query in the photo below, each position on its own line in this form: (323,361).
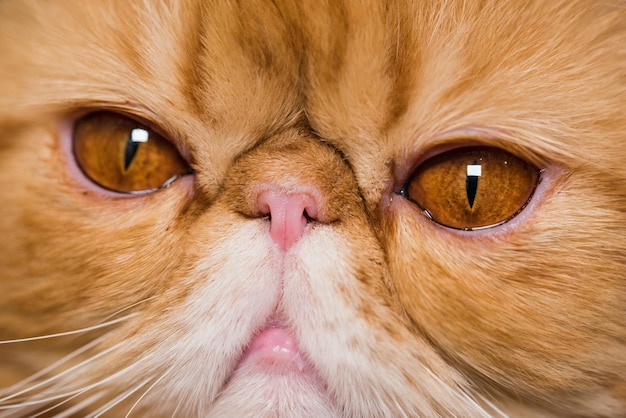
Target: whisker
(178,406)
(129,307)
(74,408)
(13,414)
(72,392)
(74,332)
(479,407)
(53,366)
(119,399)
(58,376)
(18,385)
(81,405)
(146,392)
(463,395)
(493,407)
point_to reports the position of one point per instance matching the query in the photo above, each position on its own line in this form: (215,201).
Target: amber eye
(120,154)
(471,188)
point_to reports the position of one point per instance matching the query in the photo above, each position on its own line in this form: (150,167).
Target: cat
(323,209)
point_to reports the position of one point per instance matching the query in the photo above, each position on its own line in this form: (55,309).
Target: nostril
(310,209)
(308,217)
(263,208)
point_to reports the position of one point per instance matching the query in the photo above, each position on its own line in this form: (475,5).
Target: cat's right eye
(120,154)
(472,188)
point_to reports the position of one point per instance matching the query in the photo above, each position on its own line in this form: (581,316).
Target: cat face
(327,209)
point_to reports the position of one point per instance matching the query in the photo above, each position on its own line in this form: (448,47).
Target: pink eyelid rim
(444,142)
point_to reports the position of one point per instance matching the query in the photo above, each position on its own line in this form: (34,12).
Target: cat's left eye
(121,155)
(472,188)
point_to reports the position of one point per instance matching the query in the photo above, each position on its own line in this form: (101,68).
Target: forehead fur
(426,67)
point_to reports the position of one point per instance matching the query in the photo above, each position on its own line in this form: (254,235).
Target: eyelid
(409,160)
(143,116)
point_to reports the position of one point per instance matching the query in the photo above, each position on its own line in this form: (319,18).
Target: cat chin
(254,392)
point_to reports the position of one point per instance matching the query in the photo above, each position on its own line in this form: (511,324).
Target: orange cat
(323,209)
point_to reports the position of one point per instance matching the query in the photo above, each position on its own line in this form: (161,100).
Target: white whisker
(128,307)
(13,414)
(493,407)
(58,376)
(64,334)
(70,393)
(52,366)
(178,406)
(478,407)
(81,405)
(462,395)
(77,407)
(119,399)
(146,392)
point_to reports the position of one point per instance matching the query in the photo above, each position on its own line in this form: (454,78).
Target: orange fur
(397,315)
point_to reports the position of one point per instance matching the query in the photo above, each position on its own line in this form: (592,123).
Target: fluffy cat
(289,208)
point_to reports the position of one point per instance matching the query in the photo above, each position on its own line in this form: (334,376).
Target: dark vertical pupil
(471,186)
(131,149)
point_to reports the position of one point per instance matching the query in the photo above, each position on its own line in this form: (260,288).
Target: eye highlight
(120,154)
(472,188)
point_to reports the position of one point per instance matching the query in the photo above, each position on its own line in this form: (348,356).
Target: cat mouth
(274,350)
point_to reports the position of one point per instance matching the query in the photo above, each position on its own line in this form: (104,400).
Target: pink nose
(289,214)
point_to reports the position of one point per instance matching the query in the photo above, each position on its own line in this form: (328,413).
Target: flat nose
(289,214)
